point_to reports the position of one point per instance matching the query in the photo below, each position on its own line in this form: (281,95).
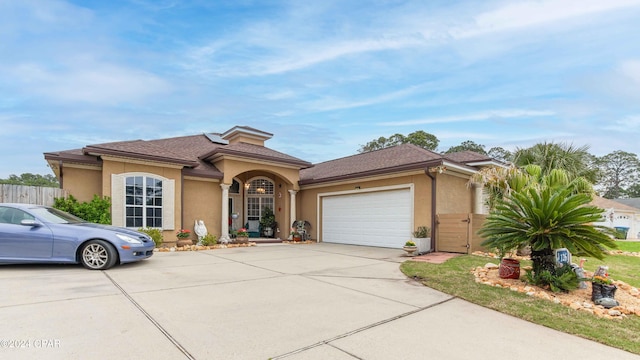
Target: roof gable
(254,152)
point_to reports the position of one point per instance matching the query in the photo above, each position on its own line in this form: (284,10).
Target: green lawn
(454,277)
(632,246)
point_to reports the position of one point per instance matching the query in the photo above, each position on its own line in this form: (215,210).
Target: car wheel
(98,255)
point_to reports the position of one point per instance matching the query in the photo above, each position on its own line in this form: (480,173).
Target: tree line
(614,175)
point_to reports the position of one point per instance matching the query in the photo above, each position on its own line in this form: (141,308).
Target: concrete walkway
(319,301)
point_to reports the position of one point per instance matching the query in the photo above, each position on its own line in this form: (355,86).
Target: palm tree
(547,218)
(500,182)
(576,161)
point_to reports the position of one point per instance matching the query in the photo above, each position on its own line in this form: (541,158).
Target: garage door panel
(374,219)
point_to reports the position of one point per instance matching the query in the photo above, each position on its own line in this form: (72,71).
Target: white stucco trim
(118,215)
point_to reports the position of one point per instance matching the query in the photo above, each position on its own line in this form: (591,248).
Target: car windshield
(55,216)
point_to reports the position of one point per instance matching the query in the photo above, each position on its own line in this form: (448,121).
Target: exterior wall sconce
(439,169)
(247,185)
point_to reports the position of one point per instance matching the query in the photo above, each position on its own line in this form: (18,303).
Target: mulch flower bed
(202,247)
(579,299)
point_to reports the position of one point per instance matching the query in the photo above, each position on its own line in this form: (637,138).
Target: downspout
(433,210)
(181,199)
(60,171)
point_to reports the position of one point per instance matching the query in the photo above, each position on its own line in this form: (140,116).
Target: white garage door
(373,219)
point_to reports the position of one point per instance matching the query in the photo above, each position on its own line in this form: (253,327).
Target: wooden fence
(37,195)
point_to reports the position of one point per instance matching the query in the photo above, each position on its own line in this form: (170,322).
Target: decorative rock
(543,295)
(491,266)
(614,312)
(488,275)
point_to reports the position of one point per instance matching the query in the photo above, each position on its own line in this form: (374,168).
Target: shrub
(209,240)
(561,279)
(546,219)
(422,232)
(96,211)
(156,235)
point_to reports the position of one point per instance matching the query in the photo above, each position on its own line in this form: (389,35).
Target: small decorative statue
(200,230)
(603,290)
(579,270)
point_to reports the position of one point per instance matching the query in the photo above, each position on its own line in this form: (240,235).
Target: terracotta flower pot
(184,242)
(509,269)
(242,239)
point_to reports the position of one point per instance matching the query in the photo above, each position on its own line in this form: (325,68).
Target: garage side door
(374,219)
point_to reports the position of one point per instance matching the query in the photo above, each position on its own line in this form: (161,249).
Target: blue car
(41,234)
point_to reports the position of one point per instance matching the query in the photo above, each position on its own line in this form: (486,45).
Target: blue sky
(323,76)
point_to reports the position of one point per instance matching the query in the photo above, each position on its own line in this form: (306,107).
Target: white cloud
(631,70)
(480,116)
(536,13)
(329,104)
(284,56)
(627,124)
(96,83)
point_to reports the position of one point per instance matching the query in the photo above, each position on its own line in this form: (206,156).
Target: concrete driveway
(319,301)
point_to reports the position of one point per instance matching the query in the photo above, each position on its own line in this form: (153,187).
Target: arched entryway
(260,193)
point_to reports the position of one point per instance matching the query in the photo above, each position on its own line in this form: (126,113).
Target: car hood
(122,230)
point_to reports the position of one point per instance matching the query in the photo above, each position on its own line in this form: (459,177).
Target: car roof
(22,206)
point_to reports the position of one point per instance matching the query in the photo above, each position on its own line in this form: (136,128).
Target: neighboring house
(376,198)
(619,215)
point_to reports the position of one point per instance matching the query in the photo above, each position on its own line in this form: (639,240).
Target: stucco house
(227,179)
(620,214)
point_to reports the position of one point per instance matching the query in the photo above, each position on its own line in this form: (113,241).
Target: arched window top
(261,186)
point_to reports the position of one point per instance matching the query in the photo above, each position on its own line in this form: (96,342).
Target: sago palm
(547,218)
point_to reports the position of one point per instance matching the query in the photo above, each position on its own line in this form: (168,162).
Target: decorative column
(478,199)
(292,213)
(224,236)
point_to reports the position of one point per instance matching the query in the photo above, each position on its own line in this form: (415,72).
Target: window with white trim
(143,202)
(259,195)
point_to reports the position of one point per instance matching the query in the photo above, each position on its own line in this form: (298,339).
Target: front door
(259,195)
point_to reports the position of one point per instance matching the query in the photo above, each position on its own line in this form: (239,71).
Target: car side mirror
(28,222)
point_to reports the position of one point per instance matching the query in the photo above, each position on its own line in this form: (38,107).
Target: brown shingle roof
(255,152)
(73,156)
(396,158)
(467,156)
(193,152)
(604,203)
(141,149)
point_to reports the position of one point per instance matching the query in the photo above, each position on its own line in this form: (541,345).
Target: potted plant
(242,236)
(422,239)
(267,221)
(183,237)
(410,247)
(295,235)
(603,290)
